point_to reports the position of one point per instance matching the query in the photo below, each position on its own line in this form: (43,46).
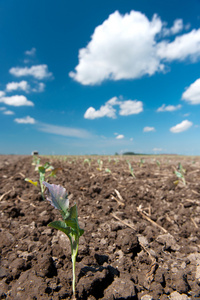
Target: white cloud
(65,131)
(26,120)
(120,137)
(157,149)
(123,47)
(192,94)
(31,52)
(104,111)
(176,28)
(39,72)
(39,87)
(2,94)
(169,108)
(17,100)
(183,126)
(128,107)
(126,47)
(8,112)
(14,86)
(148,129)
(184,46)
(2,108)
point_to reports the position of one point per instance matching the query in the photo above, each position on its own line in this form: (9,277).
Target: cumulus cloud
(2,94)
(65,131)
(39,72)
(127,47)
(184,46)
(26,120)
(14,86)
(169,108)
(39,87)
(17,100)
(8,112)
(192,94)
(120,137)
(31,52)
(183,126)
(148,129)
(123,47)
(128,107)
(176,28)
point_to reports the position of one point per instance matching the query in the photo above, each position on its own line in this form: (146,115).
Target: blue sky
(99,77)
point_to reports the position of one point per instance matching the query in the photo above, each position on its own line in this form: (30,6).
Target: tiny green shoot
(58,197)
(42,171)
(100,164)
(130,168)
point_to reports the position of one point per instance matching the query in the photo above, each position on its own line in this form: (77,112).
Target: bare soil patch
(141,239)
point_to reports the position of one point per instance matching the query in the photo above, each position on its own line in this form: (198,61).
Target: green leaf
(35,183)
(60,225)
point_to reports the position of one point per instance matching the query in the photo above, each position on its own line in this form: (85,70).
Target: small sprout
(100,163)
(58,197)
(42,170)
(141,163)
(180,174)
(108,170)
(130,168)
(158,163)
(87,161)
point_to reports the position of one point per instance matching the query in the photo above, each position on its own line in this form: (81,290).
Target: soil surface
(142,233)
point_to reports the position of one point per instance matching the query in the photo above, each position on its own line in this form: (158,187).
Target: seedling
(107,170)
(158,163)
(130,168)
(100,163)
(180,174)
(42,170)
(87,161)
(58,197)
(141,163)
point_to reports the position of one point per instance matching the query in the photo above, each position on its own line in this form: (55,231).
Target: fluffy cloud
(14,86)
(2,94)
(26,120)
(65,131)
(126,47)
(123,47)
(192,94)
(31,52)
(128,107)
(17,100)
(176,28)
(183,126)
(148,129)
(168,108)
(120,137)
(184,46)
(39,87)
(8,112)
(39,72)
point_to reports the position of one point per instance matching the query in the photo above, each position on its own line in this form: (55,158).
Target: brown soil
(141,238)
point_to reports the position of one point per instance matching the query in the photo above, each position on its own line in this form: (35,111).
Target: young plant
(57,196)
(42,171)
(130,168)
(87,161)
(100,163)
(180,174)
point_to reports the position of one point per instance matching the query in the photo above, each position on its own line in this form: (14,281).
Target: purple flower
(57,195)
